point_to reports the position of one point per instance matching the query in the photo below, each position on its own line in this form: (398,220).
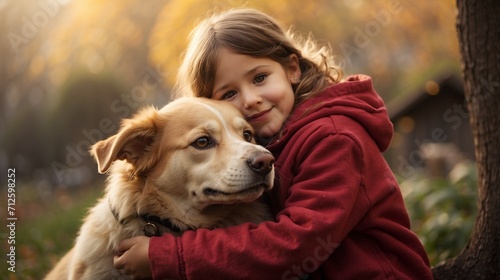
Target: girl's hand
(133,257)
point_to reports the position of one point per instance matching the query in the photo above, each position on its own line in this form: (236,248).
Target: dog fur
(193,162)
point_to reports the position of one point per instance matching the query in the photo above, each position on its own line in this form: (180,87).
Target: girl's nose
(250,99)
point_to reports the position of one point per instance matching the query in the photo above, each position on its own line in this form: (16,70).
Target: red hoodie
(339,211)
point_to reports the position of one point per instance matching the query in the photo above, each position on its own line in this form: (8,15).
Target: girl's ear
(293,69)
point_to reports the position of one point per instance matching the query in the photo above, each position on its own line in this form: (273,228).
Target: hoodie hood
(354,98)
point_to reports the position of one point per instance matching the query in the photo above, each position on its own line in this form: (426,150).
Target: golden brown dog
(192,164)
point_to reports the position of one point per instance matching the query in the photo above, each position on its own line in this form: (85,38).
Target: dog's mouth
(247,191)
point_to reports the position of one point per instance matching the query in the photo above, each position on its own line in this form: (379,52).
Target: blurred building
(432,129)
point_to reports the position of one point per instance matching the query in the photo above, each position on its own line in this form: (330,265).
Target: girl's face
(260,88)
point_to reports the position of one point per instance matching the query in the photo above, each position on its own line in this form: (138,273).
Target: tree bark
(478,28)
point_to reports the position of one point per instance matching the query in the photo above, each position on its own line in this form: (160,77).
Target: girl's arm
(321,208)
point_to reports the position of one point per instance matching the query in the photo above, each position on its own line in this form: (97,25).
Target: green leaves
(443,210)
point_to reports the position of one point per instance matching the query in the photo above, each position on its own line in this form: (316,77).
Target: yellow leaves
(177,18)
(377,37)
(97,35)
(36,66)
(169,36)
(93,60)
(129,32)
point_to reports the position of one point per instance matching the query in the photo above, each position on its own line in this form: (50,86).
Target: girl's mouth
(258,116)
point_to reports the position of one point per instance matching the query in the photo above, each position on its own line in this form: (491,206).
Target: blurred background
(70,70)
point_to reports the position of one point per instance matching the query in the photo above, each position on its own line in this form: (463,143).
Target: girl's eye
(259,78)
(228,94)
(204,142)
(247,135)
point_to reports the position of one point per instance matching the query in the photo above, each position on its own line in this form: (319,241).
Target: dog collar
(150,228)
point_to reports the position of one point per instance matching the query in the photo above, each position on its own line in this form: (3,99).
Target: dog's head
(198,150)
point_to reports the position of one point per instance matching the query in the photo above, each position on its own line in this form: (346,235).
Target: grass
(46,230)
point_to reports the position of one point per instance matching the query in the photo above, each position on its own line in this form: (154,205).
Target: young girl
(339,213)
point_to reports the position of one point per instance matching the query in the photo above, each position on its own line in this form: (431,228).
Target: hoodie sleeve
(324,202)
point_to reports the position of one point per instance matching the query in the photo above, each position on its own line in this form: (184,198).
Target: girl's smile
(258,117)
(260,88)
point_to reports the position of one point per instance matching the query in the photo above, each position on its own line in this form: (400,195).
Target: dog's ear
(133,143)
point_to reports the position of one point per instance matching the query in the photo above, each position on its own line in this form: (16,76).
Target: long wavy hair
(251,32)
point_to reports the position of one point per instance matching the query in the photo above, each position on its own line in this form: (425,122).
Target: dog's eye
(247,135)
(203,142)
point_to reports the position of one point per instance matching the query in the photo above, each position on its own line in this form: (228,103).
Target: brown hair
(250,32)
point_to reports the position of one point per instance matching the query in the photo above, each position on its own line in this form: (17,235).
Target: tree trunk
(478,27)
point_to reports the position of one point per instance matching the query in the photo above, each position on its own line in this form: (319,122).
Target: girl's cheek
(238,106)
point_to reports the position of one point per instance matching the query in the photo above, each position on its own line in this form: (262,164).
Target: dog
(192,164)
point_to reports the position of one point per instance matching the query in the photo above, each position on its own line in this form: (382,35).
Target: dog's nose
(262,163)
